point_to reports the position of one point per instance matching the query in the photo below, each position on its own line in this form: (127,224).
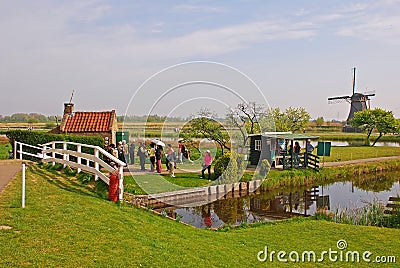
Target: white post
(53,154)
(78,149)
(64,153)
(96,164)
(15,149)
(23,185)
(121,183)
(20,151)
(43,154)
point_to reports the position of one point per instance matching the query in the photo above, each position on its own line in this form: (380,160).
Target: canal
(266,205)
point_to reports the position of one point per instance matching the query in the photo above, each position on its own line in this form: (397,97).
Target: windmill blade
(339,98)
(369,95)
(334,100)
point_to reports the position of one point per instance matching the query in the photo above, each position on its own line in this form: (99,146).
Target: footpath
(8,170)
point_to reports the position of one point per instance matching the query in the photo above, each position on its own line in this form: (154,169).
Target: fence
(300,160)
(76,155)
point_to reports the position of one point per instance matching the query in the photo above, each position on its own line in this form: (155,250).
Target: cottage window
(257,145)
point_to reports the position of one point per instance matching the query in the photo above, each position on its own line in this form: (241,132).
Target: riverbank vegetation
(66,224)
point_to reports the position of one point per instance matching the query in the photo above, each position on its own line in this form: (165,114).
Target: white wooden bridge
(70,154)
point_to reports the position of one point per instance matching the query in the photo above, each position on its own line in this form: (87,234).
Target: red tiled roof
(88,122)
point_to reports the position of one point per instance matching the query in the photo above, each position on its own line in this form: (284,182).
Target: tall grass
(370,214)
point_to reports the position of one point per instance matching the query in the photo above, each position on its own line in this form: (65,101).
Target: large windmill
(358,102)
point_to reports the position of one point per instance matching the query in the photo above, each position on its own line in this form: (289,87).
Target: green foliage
(35,137)
(4,150)
(221,163)
(69,171)
(27,118)
(101,189)
(320,121)
(263,170)
(229,167)
(376,119)
(371,214)
(205,126)
(50,125)
(292,119)
(85,178)
(55,167)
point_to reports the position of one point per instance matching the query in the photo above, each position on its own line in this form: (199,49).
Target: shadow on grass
(64,183)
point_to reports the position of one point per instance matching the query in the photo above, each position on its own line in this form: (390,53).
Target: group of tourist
(295,151)
(127,152)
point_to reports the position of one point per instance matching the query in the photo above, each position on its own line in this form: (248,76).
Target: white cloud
(378,21)
(199,8)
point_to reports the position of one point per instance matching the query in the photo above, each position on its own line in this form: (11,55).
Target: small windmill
(358,101)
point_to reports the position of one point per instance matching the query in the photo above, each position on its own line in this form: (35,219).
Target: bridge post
(96,164)
(121,183)
(53,154)
(15,149)
(64,154)
(20,151)
(79,159)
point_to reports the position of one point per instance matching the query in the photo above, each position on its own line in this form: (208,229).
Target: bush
(84,177)
(263,170)
(69,171)
(221,163)
(34,138)
(229,167)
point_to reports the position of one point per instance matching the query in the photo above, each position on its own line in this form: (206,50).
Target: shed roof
(89,122)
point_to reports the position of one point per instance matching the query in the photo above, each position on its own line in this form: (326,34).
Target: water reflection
(361,143)
(267,205)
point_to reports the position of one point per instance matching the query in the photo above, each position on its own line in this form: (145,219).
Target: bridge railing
(85,157)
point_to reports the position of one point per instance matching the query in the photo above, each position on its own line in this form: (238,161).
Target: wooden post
(20,151)
(65,156)
(121,183)
(15,149)
(96,164)
(78,149)
(53,154)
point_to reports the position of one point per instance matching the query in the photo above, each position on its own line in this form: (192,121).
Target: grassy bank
(301,177)
(339,153)
(65,224)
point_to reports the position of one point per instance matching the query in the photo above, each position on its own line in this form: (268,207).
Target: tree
(206,126)
(319,121)
(292,119)
(248,118)
(376,119)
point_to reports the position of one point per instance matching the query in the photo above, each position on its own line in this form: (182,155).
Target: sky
(114,54)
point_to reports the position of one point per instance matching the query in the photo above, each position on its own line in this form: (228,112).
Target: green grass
(4,148)
(155,183)
(352,153)
(66,225)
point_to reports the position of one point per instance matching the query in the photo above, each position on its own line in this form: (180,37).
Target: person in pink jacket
(207,164)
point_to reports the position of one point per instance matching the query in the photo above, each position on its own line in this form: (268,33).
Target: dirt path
(350,162)
(8,170)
